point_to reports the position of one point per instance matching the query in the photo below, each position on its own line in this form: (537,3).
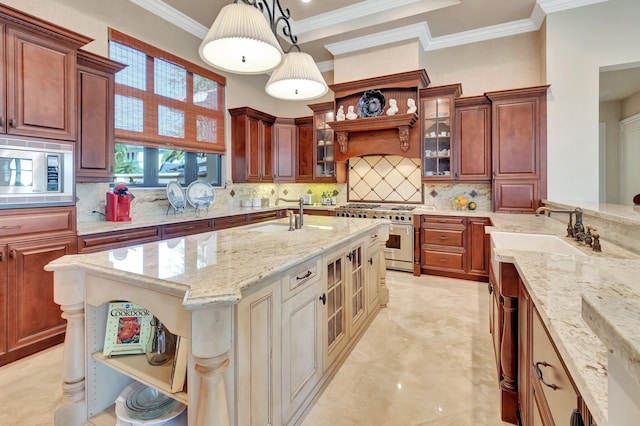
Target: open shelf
(108,418)
(137,367)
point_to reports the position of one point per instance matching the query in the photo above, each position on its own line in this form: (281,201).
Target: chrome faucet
(573,230)
(300,217)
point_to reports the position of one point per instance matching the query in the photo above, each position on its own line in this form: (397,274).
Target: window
(148,166)
(169,116)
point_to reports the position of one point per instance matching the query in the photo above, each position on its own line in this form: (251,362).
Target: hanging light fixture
(240,41)
(226,46)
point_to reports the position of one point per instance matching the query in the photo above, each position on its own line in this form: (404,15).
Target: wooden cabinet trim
(37,223)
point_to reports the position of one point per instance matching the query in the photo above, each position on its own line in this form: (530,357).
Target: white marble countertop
(215,267)
(629,215)
(558,283)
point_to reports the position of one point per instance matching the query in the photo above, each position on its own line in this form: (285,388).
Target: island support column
(211,331)
(69,293)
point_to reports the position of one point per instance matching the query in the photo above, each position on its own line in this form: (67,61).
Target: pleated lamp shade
(298,78)
(240,41)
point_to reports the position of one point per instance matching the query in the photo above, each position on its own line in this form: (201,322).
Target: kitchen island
(269,314)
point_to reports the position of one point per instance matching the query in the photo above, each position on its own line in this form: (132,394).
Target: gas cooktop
(397,213)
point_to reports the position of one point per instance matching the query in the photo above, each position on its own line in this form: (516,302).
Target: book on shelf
(128,329)
(179,368)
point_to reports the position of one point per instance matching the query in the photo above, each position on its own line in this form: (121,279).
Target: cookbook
(128,329)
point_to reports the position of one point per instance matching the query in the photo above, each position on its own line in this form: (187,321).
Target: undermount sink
(531,242)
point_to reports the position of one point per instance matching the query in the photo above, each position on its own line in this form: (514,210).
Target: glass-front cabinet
(324,138)
(437,126)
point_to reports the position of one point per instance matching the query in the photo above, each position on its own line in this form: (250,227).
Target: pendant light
(243,41)
(240,41)
(298,78)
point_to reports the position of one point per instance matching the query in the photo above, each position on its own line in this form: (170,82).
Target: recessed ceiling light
(306,1)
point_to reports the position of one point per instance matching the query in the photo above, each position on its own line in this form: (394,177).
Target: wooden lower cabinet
(536,388)
(515,196)
(118,239)
(29,239)
(453,246)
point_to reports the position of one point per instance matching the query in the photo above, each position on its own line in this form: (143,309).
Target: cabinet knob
(455,175)
(2,121)
(12,122)
(371,261)
(490,286)
(323,298)
(12,254)
(1,257)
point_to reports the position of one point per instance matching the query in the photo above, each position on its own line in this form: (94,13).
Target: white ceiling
(619,83)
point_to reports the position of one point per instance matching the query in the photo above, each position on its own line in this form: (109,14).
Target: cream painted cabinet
(356,305)
(301,342)
(258,357)
(334,312)
(372,282)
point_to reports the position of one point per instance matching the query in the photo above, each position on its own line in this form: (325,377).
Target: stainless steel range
(398,253)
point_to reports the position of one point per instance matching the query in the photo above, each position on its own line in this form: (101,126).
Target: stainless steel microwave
(36,173)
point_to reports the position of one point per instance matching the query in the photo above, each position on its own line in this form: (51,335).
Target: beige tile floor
(425,360)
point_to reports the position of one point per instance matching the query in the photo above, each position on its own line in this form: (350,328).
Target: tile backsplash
(153,201)
(441,195)
(387,178)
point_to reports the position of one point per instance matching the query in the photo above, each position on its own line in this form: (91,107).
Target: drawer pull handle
(374,236)
(12,122)
(539,375)
(2,121)
(189,228)
(442,237)
(490,286)
(307,275)
(371,261)
(442,260)
(8,227)
(122,238)
(1,257)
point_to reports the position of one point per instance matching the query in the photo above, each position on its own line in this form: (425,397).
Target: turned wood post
(509,347)
(69,293)
(211,331)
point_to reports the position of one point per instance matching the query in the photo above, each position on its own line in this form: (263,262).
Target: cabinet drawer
(179,229)
(563,400)
(38,223)
(437,221)
(443,260)
(111,240)
(229,222)
(262,216)
(443,237)
(299,278)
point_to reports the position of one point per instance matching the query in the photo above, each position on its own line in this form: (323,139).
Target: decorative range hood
(381,134)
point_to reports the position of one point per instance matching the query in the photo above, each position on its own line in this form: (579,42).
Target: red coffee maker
(118,204)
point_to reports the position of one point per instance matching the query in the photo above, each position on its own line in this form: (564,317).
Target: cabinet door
(516,137)
(301,348)
(305,164)
(357,301)
(478,247)
(258,357)
(284,156)
(3,300)
(372,292)
(472,144)
(512,195)
(266,150)
(253,151)
(334,313)
(95,152)
(41,87)
(33,315)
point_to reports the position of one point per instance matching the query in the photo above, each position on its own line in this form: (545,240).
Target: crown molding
(419,31)
(362,10)
(551,6)
(325,65)
(173,16)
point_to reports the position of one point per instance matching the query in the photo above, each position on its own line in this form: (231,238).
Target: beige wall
(631,105)
(499,64)
(579,42)
(610,116)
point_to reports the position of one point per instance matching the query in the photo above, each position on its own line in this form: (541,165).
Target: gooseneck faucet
(577,230)
(300,216)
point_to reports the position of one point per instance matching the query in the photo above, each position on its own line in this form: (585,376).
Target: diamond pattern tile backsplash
(388,178)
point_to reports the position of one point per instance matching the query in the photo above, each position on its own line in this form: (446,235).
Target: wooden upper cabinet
(37,76)
(285,139)
(519,147)
(252,145)
(96,89)
(472,139)
(306,147)
(41,86)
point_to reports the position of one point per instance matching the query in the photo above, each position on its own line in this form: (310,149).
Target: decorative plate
(175,195)
(371,104)
(200,194)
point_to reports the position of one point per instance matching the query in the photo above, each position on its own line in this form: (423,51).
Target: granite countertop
(215,267)
(558,284)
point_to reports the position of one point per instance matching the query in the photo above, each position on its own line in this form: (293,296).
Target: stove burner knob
(353,215)
(364,215)
(397,217)
(375,217)
(401,217)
